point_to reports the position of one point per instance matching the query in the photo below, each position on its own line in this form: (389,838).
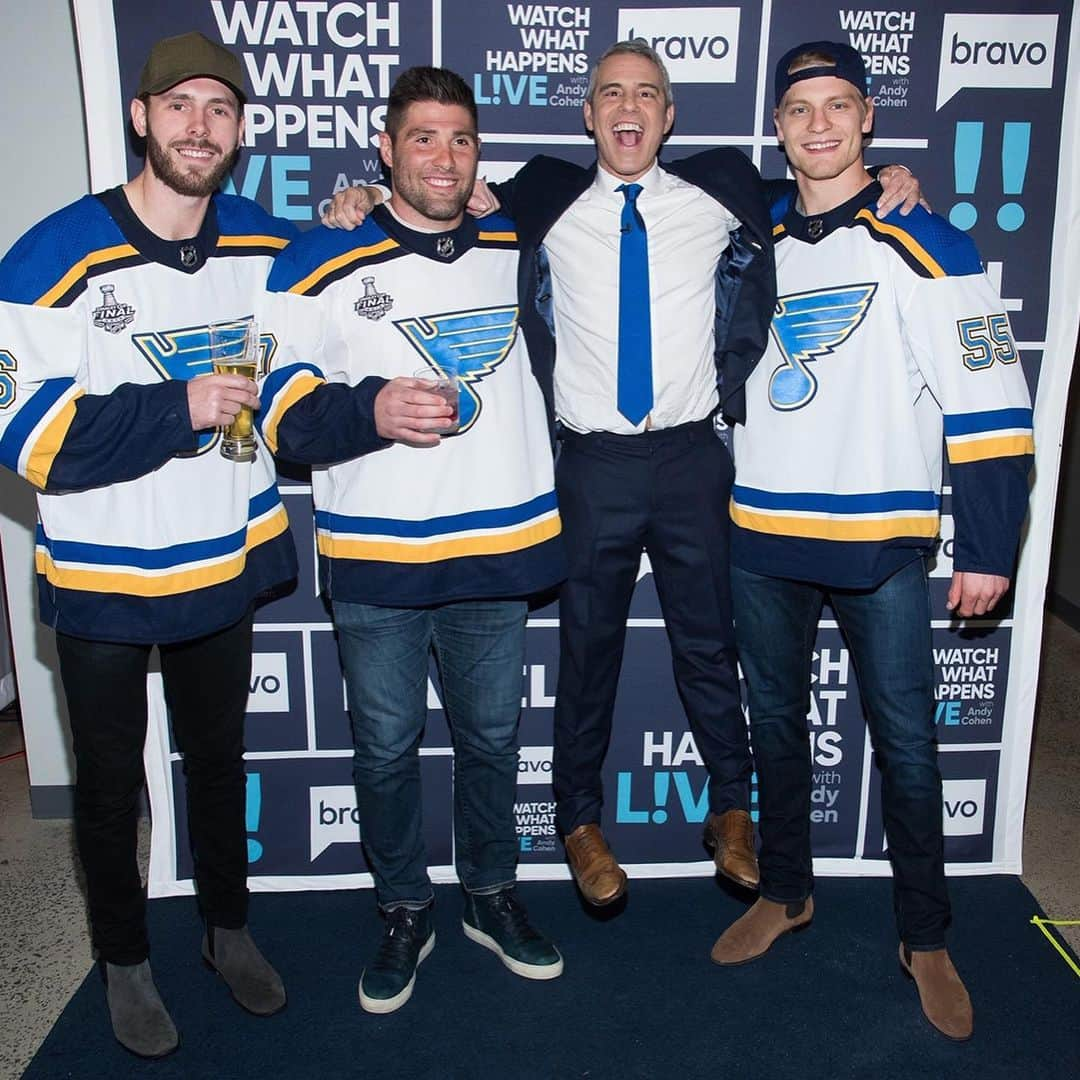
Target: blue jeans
(479,646)
(888,632)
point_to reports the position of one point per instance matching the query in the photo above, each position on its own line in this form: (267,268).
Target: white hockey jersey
(887,335)
(472,517)
(146,533)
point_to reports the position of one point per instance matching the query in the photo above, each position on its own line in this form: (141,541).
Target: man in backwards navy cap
(147,535)
(887,334)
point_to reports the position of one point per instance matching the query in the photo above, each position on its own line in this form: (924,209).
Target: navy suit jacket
(745,277)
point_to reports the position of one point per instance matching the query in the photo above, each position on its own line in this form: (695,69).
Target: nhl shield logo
(113,315)
(373,304)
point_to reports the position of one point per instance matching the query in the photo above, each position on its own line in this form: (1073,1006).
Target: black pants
(206,686)
(665,492)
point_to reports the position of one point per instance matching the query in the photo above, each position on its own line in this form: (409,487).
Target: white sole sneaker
(518,967)
(389,1005)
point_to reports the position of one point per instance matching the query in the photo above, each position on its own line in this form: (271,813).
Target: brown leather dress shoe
(750,936)
(730,837)
(944,998)
(599,877)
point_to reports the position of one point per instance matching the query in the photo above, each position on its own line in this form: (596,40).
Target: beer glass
(234,350)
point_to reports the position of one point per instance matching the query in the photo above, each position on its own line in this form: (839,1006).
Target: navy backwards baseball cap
(849,66)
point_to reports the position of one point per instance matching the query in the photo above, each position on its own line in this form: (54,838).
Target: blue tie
(635,397)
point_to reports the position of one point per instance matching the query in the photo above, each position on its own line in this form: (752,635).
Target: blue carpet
(639,997)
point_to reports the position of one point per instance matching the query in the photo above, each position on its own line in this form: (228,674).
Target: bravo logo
(963,807)
(697,45)
(269,689)
(534,765)
(334,818)
(1013,52)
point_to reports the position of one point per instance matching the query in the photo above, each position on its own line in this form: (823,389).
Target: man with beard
(147,535)
(435,521)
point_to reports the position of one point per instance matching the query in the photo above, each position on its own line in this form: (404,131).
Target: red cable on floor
(8,757)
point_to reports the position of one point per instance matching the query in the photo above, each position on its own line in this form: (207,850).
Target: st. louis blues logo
(184,354)
(807,326)
(475,341)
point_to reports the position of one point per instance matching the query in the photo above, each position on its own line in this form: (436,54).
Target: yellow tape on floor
(1042,924)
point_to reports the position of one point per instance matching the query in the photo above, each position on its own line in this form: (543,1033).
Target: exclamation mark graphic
(661,786)
(251,814)
(1015,145)
(967,154)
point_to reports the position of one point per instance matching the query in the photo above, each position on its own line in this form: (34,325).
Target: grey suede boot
(140,1020)
(255,985)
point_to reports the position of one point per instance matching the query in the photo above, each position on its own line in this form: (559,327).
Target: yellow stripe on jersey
(332,265)
(336,547)
(812,528)
(128,583)
(778,229)
(508,237)
(94,258)
(297,388)
(998,446)
(252,241)
(40,462)
(909,242)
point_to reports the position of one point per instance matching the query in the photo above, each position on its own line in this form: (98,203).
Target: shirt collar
(608,183)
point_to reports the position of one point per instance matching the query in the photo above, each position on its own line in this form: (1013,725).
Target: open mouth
(441,183)
(628,135)
(821,147)
(196,153)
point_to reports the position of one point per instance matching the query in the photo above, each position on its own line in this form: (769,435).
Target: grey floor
(44,946)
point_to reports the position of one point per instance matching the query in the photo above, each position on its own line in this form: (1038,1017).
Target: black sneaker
(387,982)
(499,923)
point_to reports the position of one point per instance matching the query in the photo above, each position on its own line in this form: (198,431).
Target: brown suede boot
(599,877)
(750,936)
(730,837)
(944,998)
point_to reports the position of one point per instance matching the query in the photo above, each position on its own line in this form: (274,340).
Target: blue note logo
(476,342)
(806,327)
(185,353)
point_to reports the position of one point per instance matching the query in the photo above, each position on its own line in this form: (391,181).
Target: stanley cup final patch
(373,304)
(113,315)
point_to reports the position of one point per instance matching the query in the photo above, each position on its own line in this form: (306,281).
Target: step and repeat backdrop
(973,97)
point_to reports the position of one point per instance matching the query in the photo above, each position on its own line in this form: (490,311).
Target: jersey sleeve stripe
(904,240)
(39,461)
(117,253)
(285,388)
(29,426)
(336,265)
(500,543)
(963,451)
(498,237)
(992,420)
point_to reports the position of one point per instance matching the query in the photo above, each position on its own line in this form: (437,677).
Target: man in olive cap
(148,536)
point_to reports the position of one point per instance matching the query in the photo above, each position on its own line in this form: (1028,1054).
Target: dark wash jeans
(479,646)
(887,630)
(206,685)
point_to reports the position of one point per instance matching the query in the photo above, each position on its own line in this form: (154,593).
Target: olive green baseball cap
(172,60)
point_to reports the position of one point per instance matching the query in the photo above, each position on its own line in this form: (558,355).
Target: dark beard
(193,184)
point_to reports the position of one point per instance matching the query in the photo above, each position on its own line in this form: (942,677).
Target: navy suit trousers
(665,492)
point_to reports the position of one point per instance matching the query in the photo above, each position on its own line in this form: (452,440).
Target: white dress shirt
(687,230)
